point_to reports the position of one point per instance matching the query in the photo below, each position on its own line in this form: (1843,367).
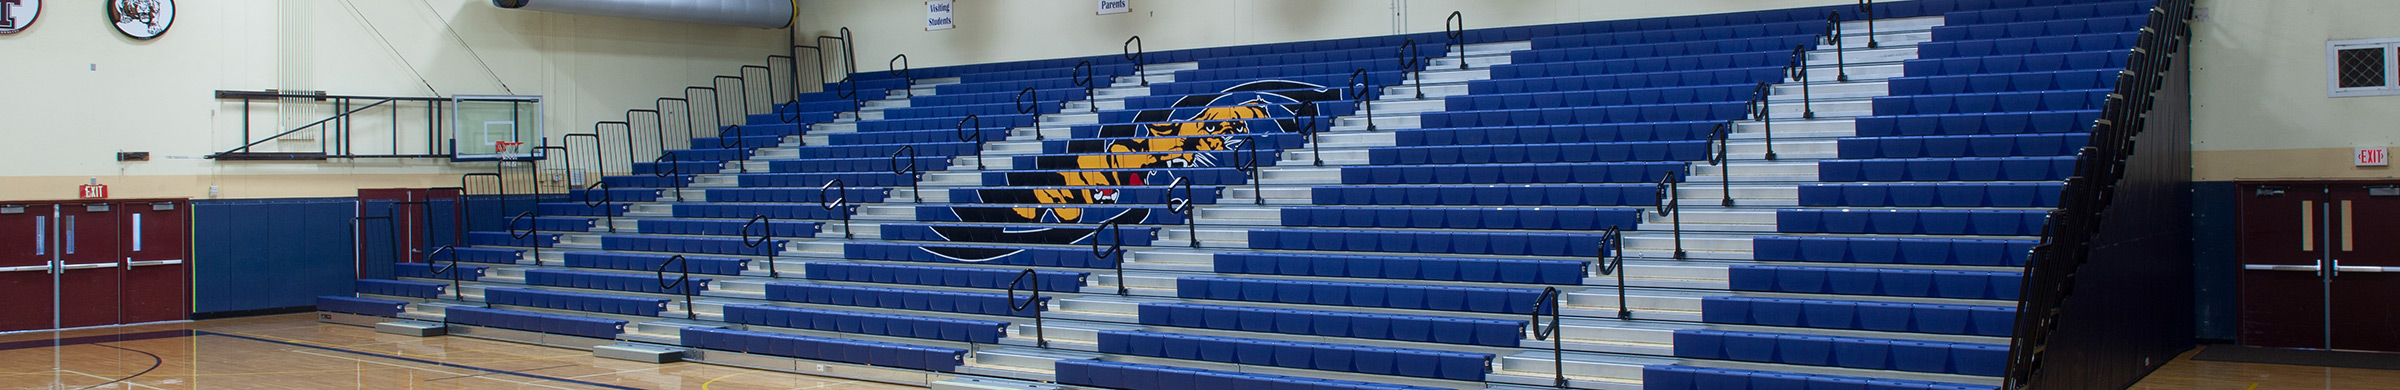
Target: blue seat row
(598,328)
(1613,132)
(1901,282)
(1852,352)
(1212,176)
(1373,77)
(1463,218)
(867,81)
(874,353)
(1060,281)
(544,240)
(1734,31)
(2029,45)
(862,164)
(756,136)
(647,181)
(1977,103)
(1000,233)
(1459,242)
(1137,104)
(650,262)
(2073,11)
(1912,221)
(467,273)
(1590,115)
(1465,269)
(1780,42)
(2105,59)
(1744,54)
(709,245)
(2041,28)
(1877,250)
(922,327)
(562,300)
(1310,57)
(1046,73)
(1861,315)
(1423,363)
(1752,75)
(641,283)
(1068,257)
(1039,95)
(1131,376)
(1498,195)
(944,147)
(596,208)
(678,167)
(2004,82)
(987,121)
(1124,195)
(477,255)
(1132,114)
(1093,143)
(1012,86)
(1386,295)
(1267,157)
(939,136)
(1541,153)
(801,194)
(852,178)
(900,298)
(401,288)
(1050,213)
(1931,194)
(1605,97)
(360,306)
(1624,172)
(808,209)
(1403,327)
(1961,146)
(1287,70)
(1704,378)
(958,111)
(1973,124)
(706,154)
(610,194)
(1948,169)
(724,227)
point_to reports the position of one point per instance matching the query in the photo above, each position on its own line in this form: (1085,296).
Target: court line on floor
(419,361)
(155,361)
(80,340)
(106,383)
(424,369)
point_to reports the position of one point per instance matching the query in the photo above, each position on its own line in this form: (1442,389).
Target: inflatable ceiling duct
(744,13)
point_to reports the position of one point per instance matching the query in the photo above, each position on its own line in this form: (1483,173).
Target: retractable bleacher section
(1884,250)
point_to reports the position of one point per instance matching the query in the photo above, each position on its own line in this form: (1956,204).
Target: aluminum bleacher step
(646,353)
(412,328)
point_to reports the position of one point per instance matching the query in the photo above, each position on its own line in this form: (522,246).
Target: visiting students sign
(937,15)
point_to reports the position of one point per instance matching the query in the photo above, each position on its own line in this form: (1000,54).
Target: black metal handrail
(1549,301)
(1133,53)
(1116,248)
(973,134)
(763,238)
(1798,72)
(673,172)
(534,228)
(607,203)
(1409,57)
(1721,139)
(1082,74)
(1762,109)
(1866,11)
(841,202)
(1247,161)
(1309,129)
(452,270)
(1033,301)
(909,170)
(1668,206)
(466,205)
(736,134)
(1456,28)
(901,71)
(1030,109)
(1184,206)
(1833,35)
(391,228)
(1612,263)
(685,267)
(1359,83)
(743,94)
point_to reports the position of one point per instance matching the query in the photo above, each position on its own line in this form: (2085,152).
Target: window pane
(2361,67)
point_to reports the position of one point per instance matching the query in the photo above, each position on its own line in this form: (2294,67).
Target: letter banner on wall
(1114,7)
(937,15)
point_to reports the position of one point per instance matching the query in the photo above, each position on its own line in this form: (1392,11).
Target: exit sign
(92,191)
(2370,157)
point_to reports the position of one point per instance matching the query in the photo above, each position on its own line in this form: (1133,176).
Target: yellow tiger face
(1201,133)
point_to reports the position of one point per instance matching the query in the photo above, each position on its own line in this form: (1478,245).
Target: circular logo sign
(16,15)
(141,19)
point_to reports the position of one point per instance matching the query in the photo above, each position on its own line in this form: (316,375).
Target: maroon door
(155,247)
(90,280)
(2318,265)
(27,243)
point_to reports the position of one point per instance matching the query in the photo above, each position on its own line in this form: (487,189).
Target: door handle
(29,268)
(146,263)
(2365,268)
(2319,267)
(87,266)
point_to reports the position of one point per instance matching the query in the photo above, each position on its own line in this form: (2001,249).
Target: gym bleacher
(1344,214)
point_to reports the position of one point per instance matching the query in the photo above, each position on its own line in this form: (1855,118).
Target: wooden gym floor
(295,351)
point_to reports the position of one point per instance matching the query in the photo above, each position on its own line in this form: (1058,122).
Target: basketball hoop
(502,146)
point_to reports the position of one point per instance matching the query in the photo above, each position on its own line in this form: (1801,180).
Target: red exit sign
(2370,157)
(92,191)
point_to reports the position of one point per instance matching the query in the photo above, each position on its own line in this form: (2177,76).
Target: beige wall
(78,92)
(2259,104)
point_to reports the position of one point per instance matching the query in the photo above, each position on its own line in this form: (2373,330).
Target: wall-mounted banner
(16,15)
(937,15)
(1114,7)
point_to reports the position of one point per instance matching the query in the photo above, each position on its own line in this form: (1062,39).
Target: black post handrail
(1309,129)
(391,228)
(1115,249)
(534,228)
(452,270)
(1798,71)
(1032,109)
(764,237)
(685,267)
(607,203)
(466,205)
(1033,301)
(1409,56)
(973,134)
(1762,109)
(738,143)
(1082,74)
(1184,206)
(1247,161)
(1668,206)
(1359,83)
(1133,53)
(909,170)
(1833,34)
(673,171)
(1721,139)
(1612,263)
(842,202)
(1866,11)
(1549,300)
(1456,27)
(901,71)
